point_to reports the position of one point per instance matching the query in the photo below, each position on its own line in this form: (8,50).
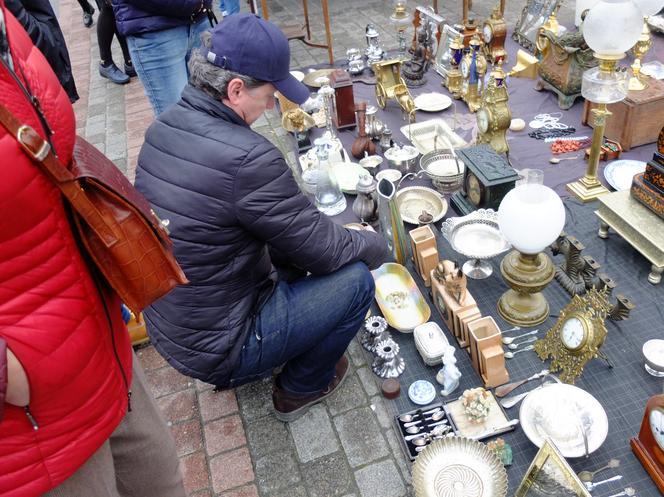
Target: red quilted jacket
(51,313)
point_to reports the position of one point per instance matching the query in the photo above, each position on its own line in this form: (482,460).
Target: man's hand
(18,388)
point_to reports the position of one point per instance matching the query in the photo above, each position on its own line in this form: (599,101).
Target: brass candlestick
(642,46)
(589,188)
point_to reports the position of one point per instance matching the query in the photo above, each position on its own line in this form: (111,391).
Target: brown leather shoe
(289,407)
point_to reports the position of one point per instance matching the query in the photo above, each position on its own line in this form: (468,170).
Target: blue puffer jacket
(230,199)
(143,16)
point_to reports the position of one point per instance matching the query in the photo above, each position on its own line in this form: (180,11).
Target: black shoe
(129,70)
(87,17)
(114,74)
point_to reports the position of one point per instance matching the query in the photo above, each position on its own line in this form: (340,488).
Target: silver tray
(560,412)
(619,173)
(458,467)
(426,135)
(477,236)
(413,200)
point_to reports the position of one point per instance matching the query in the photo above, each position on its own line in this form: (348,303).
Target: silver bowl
(413,200)
(444,169)
(477,236)
(403,159)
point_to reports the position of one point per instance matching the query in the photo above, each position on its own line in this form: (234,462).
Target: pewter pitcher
(391,223)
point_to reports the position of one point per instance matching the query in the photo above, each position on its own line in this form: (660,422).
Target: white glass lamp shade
(531,216)
(649,7)
(612,27)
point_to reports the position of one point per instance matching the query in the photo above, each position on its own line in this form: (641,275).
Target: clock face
(487,33)
(657,426)
(483,119)
(465,67)
(473,189)
(573,333)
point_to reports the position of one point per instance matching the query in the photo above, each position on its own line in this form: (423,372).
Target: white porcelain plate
(560,412)
(432,102)
(347,174)
(619,173)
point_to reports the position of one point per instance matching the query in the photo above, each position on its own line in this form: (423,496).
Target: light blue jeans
(229,7)
(160,59)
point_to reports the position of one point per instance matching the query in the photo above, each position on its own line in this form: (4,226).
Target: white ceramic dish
(619,173)
(299,75)
(432,102)
(431,135)
(421,392)
(347,174)
(560,412)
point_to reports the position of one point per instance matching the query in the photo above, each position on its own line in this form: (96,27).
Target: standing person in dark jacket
(39,20)
(161,35)
(233,204)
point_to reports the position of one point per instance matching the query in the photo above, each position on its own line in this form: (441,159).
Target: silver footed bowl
(458,467)
(478,237)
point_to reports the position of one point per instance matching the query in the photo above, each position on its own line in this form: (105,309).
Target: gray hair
(212,79)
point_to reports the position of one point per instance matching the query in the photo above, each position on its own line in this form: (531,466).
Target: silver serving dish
(563,413)
(413,200)
(458,467)
(619,173)
(426,134)
(444,169)
(477,236)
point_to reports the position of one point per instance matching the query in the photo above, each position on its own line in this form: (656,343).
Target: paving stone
(248,491)
(350,395)
(396,446)
(213,404)
(255,399)
(224,434)
(121,164)
(313,435)
(178,406)
(188,437)
(360,436)
(384,419)
(298,491)
(268,435)
(328,476)
(166,380)
(194,472)
(276,471)
(380,479)
(231,469)
(150,359)
(356,352)
(368,380)
(203,493)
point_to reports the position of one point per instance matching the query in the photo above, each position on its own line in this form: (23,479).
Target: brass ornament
(577,336)
(390,84)
(494,116)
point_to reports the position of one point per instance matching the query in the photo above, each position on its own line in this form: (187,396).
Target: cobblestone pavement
(229,443)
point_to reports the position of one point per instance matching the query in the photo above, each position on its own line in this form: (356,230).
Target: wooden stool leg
(305,6)
(265,14)
(328,34)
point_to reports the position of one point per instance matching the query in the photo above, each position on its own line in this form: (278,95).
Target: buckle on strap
(32,143)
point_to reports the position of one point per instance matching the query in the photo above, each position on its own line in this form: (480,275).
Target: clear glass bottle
(329,199)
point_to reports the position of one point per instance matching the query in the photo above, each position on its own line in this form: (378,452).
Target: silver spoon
(436,416)
(591,486)
(417,434)
(516,328)
(510,354)
(589,475)
(514,346)
(405,418)
(416,429)
(508,340)
(556,160)
(629,492)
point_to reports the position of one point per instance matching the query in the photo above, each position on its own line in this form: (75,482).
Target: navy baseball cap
(251,46)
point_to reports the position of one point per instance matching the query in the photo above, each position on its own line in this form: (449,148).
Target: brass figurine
(390,84)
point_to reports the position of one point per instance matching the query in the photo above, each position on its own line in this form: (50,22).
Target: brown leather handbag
(122,235)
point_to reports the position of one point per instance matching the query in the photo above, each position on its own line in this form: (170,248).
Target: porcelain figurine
(449,374)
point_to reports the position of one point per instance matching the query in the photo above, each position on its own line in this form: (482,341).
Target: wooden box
(637,119)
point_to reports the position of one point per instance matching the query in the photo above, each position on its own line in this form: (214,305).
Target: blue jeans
(160,59)
(229,7)
(306,324)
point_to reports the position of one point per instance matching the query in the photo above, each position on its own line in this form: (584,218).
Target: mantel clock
(494,116)
(648,446)
(487,179)
(494,32)
(577,336)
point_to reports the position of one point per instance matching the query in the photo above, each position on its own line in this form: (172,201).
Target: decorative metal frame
(442,59)
(591,309)
(534,14)
(550,469)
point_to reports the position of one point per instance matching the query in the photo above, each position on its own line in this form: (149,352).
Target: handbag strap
(42,155)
